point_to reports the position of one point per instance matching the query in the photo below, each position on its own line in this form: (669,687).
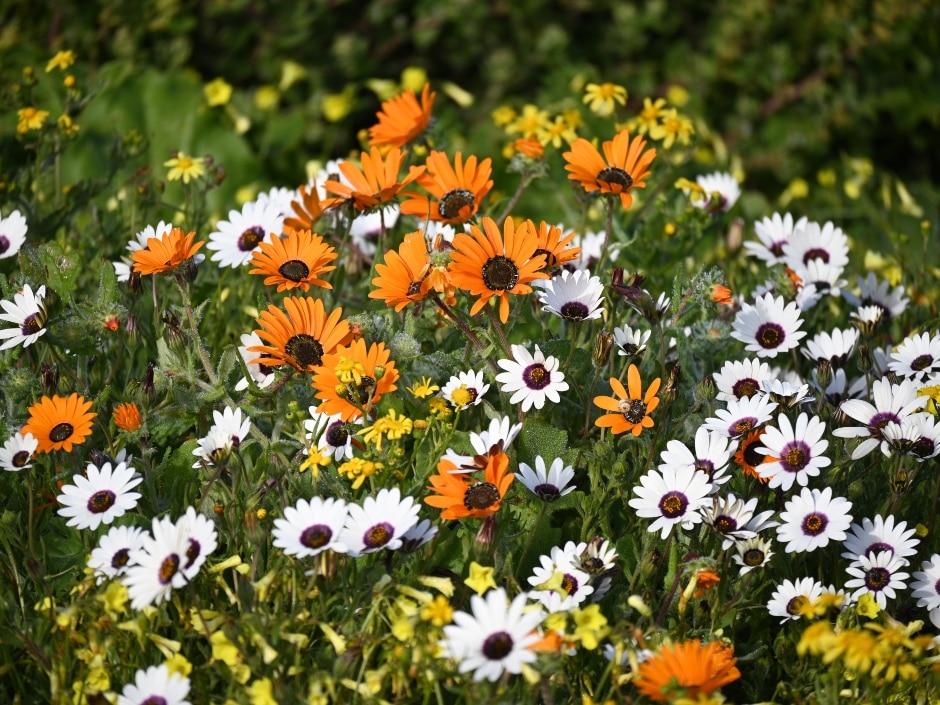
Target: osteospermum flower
(166,253)
(880,534)
(772,234)
(99,496)
(375,184)
(237,239)
(156,568)
(460,496)
(795,451)
(926,585)
(622,168)
(791,599)
(59,423)
(156,686)
(826,243)
(402,119)
(492,263)
(734,520)
(741,415)
(917,357)
(918,435)
(671,496)
(878,292)
(261,375)
(403,277)
(721,191)
(353,378)
(294,262)
(879,575)
(689,669)
(548,485)
(769,327)
(18,451)
(228,431)
(110,558)
(574,296)
(812,519)
(305,209)
(301,336)
(630,411)
(199,539)
(747,457)
(455,191)
(713,450)
(497,438)
(465,389)
(311,527)
(558,585)
(752,553)
(12,234)
(330,434)
(494,638)
(629,342)
(28,314)
(555,245)
(127,416)
(380,523)
(531,378)
(835,347)
(893,403)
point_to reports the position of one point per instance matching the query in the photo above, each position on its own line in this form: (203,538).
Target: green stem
(523,185)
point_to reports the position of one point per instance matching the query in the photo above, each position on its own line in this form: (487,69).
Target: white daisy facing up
(878,575)
(875,292)
(812,519)
(531,379)
(330,435)
(156,686)
(721,189)
(465,389)
(791,598)
(381,522)
(17,453)
(739,379)
(752,553)
(28,314)
(630,342)
(13,231)
(99,496)
(769,326)
(548,485)
(156,568)
(741,416)
(262,375)
(311,527)
(671,496)
(878,534)
(773,232)
(500,434)
(926,585)
(796,452)
(893,402)
(237,239)
(110,558)
(574,296)
(494,637)
(917,357)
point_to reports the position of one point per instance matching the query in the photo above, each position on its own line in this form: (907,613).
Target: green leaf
(539,438)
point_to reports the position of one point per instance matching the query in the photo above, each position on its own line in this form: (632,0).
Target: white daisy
(494,637)
(874,536)
(730,517)
(237,239)
(558,585)
(28,314)
(752,553)
(17,453)
(156,567)
(547,485)
(824,278)
(790,598)
(262,375)
(141,239)
(531,379)
(99,496)
(917,357)
(796,452)
(12,234)
(875,292)
(110,558)
(722,191)
(381,522)
(330,434)
(439,234)
(228,431)
(812,519)
(893,402)
(879,575)
(741,416)
(156,686)
(926,584)
(198,538)
(592,246)
(418,535)
(366,227)
(867,318)
(826,243)
(785,394)
(772,234)
(736,380)
(574,296)
(672,496)
(769,327)
(465,389)
(835,347)
(918,435)
(712,452)
(500,435)
(839,389)
(280,197)
(310,527)
(630,342)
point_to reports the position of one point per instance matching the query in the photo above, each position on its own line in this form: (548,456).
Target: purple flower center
(880,420)
(724,524)
(337,435)
(120,558)
(250,238)
(192,552)
(742,425)
(4,244)
(497,646)
(746,387)
(795,456)
(316,536)
(378,535)
(31,324)
(673,504)
(814,524)
(536,376)
(816,253)
(547,492)
(921,362)
(154,700)
(574,311)
(877,579)
(770,335)
(168,568)
(101,501)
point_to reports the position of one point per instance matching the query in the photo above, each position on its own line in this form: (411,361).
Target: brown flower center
(453,202)
(633,410)
(168,568)
(249,239)
(295,270)
(482,495)
(101,501)
(21,458)
(363,391)
(615,175)
(305,349)
(378,535)
(61,432)
(316,536)
(796,604)
(753,557)
(574,311)
(921,362)
(120,558)
(31,324)
(500,273)
(770,335)
(724,524)
(746,387)
(497,646)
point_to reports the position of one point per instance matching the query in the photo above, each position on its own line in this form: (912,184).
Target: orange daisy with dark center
(460,496)
(689,668)
(375,184)
(630,410)
(555,245)
(166,253)
(455,190)
(492,263)
(622,168)
(300,335)
(352,378)
(482,495)
(295,261)
(402,118)
(403,277)
(59,423)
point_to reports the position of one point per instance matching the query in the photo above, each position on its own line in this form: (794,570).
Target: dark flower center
(815,253)
(550,259)
(547,492)
(316,536)
(192,552)
(630,348)
(120,558)
(777,248)
(31,324)
(706,466)
(633,410)
(364,391)
(4,244)
(615,175)
(923,447)
(592,565)
(500,273)
(378,535)
(249,239)
(21,458)
(305,349)
(796,604)
(574,311)
(482,495)
(795,456)
(770,335)
(746,387)
(497,646)
(336,434)
(751,456)
(61,432)
(673,504)
(815,524)
(453,202)
(414,288)
(154,700)
(877,578)
(753,557)
(569,584)
(921,362)
(168,568)
(879,421)
(877,547)
(295,270)
(101,501)
(724,524)
(536,376)
(742,425)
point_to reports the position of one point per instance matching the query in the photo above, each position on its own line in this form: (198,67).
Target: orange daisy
(631,411)
(622,168)
(748,458)
(127,417)
(374,184)
(490,263)
(307,210)
(461,496)
(687,670)
(402,119)
(352,378)
(402,278)
(302,336)
(457,190)
(295,261)
(166,253)
(554,245)
(60,422)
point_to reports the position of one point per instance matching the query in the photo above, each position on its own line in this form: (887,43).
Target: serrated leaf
(539,438)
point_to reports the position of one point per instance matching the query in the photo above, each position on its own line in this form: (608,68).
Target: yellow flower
(337,106)
(266,98)
(217,92)
(649,115)
(529,122)
(673,126)
(439,612)
(358,470)
(291,72)
(572,117)
(184,167)
(503,115)
(867,606)
(315,460)
(424,388)
(414,78)
(677,95)
(66,124)
(261,692)
(391,425)
(349,370)
(554,132)
(439,407)
(817,639)
(602,98)
(177,663)
(114,598)
(30,119)
(591,626)
(481,578)
(62,60)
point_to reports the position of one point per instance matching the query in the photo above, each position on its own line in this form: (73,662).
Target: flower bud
(50,377)
(824,373)
(705,391)
(602,345)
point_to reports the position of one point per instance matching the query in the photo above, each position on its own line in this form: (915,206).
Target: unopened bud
(147,382)
(379,372)
(705,391)
(824,373)
(864,357)
(484,538)
(50,377)
(602,345)
(134,284)
(671,388)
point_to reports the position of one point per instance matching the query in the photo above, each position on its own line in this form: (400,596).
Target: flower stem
(523,185)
